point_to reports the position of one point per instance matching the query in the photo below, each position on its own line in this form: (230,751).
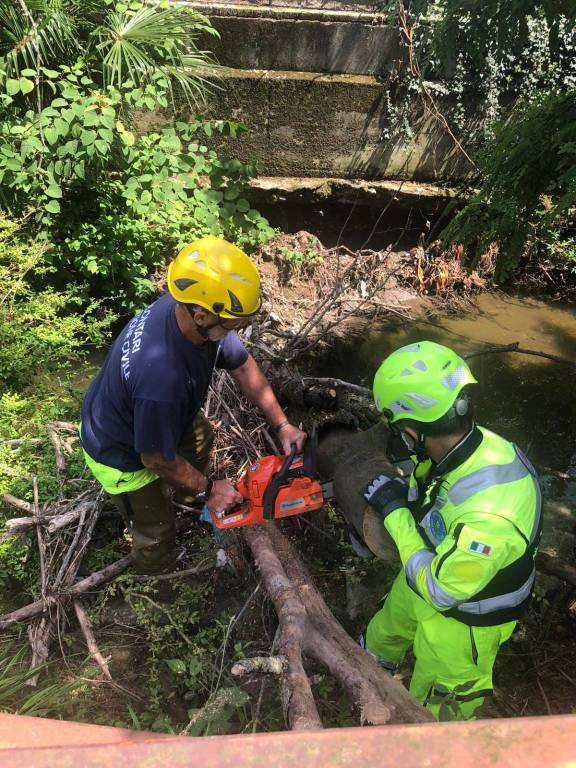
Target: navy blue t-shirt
(151,386)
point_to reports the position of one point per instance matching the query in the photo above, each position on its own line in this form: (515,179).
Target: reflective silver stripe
(416,562)
(453,379)
(422,400)
(509,600)
(440,598)
(494,474)
(538,512)
(413,493)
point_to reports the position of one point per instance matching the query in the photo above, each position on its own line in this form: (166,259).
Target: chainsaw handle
(271,492)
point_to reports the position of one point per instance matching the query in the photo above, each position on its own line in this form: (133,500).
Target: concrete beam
(301,40)
(429,199)
(309,124)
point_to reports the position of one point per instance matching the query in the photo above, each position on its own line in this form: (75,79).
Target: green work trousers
(453,669)
(148,511)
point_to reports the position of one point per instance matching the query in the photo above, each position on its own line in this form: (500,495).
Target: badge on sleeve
(437,527)
(479,548)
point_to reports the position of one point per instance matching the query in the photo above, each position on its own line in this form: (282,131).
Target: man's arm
(180,473)
(255,386)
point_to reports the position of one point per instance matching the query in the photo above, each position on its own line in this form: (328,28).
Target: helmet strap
(420,448)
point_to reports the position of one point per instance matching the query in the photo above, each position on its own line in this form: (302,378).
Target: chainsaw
(275,487)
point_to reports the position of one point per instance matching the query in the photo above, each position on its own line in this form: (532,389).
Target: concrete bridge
(314,83)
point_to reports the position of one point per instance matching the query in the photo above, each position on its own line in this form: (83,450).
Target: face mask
(213,332)
(408,442)
(415,447)
(216,332)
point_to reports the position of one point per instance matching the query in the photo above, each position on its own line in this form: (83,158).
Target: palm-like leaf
(135,47)
(54,36)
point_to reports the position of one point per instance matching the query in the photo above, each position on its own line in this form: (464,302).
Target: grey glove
(386,494)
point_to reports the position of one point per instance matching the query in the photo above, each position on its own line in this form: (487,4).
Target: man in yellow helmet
(142,426)
(467,526)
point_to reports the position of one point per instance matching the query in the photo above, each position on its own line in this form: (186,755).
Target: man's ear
(202,317)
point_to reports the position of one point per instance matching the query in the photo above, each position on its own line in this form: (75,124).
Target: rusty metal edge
(540,742)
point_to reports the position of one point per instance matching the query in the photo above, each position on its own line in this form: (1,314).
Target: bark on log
(403,708)
(307,626)
(302,712)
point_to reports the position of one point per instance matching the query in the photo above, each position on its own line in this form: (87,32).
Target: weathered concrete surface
(428,199)
(308,124)
(300,39)
(323,5)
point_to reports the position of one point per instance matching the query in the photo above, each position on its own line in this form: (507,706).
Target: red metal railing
(531,742)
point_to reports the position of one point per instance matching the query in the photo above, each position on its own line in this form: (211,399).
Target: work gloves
(386,494)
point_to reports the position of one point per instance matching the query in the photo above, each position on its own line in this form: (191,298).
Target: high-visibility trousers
(453,668)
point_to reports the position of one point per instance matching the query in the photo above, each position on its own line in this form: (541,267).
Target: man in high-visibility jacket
(467,526)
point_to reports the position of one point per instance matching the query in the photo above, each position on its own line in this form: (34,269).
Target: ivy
(513,62)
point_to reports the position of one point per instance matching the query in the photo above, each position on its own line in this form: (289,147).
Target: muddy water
(527,399)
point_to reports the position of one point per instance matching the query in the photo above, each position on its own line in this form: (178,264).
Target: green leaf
(28,72)
(12,86)
(102,146)
(50,73)
(128,138)
(177,666)
(26,85)
(88,137)
(54,191)
(51,135)
(70,93)
(146,197)
(91,118)
(53,206)
(242,205)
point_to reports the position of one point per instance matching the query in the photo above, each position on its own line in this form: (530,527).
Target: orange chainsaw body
(274,487)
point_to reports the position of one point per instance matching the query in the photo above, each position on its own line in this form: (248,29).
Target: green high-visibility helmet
(421,382)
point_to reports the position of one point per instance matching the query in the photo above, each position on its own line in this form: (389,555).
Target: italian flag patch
(479,548)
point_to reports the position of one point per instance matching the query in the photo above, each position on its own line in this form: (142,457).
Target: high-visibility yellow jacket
(469,539)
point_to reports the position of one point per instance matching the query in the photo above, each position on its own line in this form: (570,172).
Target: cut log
(351,459)
(392,694)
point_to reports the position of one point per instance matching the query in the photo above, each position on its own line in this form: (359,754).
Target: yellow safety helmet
(215,275)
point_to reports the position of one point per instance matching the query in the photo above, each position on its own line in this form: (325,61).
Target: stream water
(527,399)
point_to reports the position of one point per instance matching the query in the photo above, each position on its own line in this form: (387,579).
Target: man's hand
(288,435)
(223,497)
(386,494)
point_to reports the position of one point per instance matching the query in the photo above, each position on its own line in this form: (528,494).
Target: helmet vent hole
(201,264)
(406,372)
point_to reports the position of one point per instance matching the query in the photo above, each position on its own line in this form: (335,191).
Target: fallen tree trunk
(308,627)
(302,711)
